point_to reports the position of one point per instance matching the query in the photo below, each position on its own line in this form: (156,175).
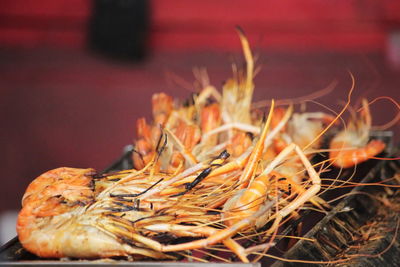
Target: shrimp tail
(347,158)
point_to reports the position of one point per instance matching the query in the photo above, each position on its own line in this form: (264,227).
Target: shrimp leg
(222,235)
(303,197)
(225,235)
(178,230)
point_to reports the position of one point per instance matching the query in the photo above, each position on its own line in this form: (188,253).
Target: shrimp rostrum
(206,175)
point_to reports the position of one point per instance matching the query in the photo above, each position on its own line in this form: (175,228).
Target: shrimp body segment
(351,146)
(48,201)
(346,153)
(55,222)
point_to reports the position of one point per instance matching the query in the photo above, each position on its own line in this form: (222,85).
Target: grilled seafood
(205,173)
(66,208)
(351,146)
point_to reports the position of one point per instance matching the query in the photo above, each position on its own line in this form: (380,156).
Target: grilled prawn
(351,146)
(75,213)
(204,174)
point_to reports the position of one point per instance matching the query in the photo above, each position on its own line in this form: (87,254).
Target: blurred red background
(198,25)
(63,105)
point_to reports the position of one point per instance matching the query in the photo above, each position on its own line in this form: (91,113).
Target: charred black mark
(140,219)
(138,194)
(116,209)
(219,160)
(289,191)
(210,101)
(164,237)
(123,199)
(137,204)
(223,155)
(112,215)
(133,207)
(79,203)
(140,155)
(250,135)
(190,101)
(145,218)
(199,178)
(190,186)
(98,176)
(264,118)
(123,209)
(127,241)
(213,212)
(160,148)
(92,185)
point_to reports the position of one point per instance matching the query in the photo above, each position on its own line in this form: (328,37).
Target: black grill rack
(336,234)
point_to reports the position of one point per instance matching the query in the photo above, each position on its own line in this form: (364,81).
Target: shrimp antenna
(353,83)
(394,120)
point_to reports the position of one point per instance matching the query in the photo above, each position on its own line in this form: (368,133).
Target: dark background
(66,102)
